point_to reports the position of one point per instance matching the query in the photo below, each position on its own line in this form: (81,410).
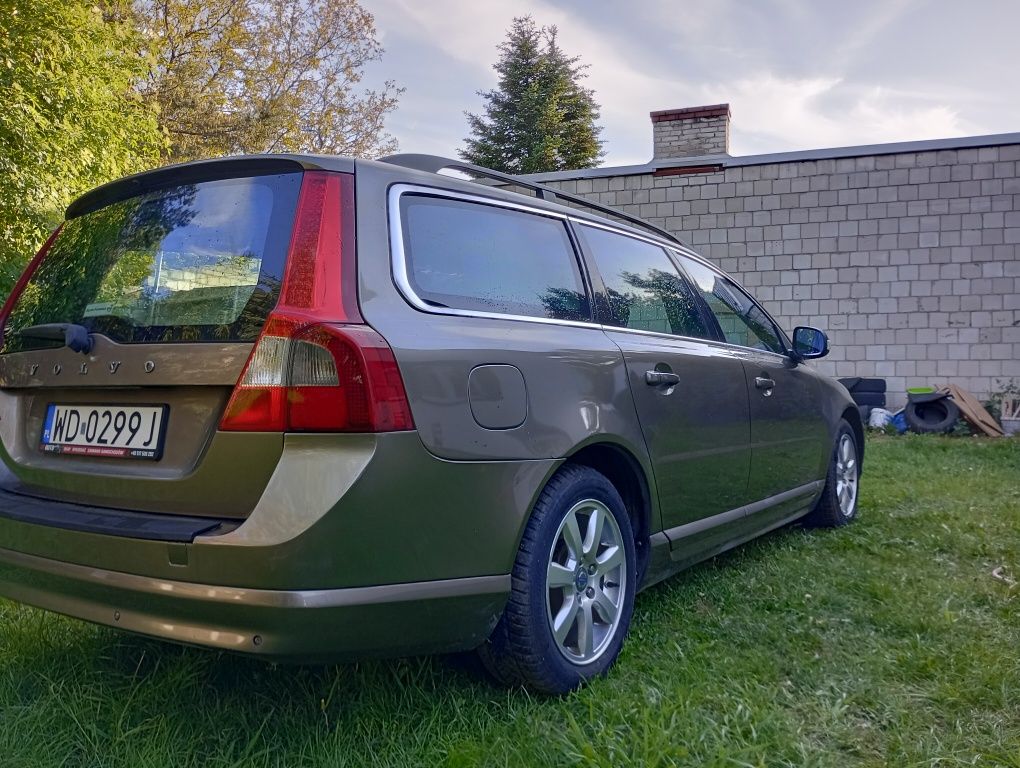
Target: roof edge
(797,156)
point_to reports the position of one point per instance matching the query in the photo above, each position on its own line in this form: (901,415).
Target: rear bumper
(360,545)
(284,625)
(340,511)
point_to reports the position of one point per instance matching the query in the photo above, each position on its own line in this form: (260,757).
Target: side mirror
(809,343)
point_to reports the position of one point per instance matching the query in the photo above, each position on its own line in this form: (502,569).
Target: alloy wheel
(846,475)
(586,582)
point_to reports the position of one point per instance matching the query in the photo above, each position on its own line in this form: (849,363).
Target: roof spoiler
(182,173)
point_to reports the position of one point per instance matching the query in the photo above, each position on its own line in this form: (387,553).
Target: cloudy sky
(798,74)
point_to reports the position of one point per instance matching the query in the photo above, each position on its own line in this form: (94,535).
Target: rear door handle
(658,378)
(764,383)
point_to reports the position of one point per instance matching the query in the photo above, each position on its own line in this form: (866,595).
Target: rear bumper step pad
(112,522)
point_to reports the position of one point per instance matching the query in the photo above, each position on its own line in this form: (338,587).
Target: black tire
(522,649)
(935,416)
(829,511)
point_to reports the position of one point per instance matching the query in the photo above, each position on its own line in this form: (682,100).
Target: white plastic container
(879,417)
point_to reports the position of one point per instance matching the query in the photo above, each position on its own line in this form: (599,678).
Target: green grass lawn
(885,643)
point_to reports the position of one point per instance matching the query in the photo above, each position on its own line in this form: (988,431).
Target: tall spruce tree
(540,118)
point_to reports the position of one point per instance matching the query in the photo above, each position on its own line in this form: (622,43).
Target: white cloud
(773,113)
(870,23)
(776,114)
(787,89)
(466,32)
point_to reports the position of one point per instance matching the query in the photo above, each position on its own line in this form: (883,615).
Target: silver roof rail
(435,163)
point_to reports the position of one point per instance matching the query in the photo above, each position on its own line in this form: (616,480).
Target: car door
(788,431)
(691,397)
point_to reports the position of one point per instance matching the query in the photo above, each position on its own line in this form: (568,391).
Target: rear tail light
(19,286)
(316,367)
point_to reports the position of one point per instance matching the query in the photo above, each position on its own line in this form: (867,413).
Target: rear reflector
(316,367)
(319,378)
(19,286)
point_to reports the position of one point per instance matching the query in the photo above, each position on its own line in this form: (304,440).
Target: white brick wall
(910,261)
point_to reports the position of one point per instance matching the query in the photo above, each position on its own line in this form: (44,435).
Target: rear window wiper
(76,337)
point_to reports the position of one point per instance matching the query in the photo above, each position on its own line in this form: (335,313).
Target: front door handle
(763,382)
(658,378)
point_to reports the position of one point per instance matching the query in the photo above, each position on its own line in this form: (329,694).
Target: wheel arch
(623,469)
(852,415)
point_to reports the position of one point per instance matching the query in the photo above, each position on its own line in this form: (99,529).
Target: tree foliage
(235,76)
(94,89)
(540,117)
(71,117)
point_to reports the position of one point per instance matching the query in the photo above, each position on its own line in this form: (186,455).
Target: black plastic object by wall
(861,384)
(869,392)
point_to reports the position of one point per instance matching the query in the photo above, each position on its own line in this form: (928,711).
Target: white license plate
(118,431)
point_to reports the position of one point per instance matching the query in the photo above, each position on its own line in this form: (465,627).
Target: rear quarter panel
(575,377)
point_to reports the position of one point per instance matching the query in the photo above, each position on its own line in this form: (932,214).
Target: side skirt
(678,548)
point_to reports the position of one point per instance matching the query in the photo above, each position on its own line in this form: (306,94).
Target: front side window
(643,288)
(741,320)
(484,258)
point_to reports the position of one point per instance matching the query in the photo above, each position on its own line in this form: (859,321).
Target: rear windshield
(200,262)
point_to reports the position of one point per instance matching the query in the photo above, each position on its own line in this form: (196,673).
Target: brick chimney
(691,132)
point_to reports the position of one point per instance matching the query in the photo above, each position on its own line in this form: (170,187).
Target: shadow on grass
(88,685)
(65,649)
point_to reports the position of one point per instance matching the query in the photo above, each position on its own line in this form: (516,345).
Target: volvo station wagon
(315,408)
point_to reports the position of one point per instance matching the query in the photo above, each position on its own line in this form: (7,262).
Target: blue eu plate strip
(48,424)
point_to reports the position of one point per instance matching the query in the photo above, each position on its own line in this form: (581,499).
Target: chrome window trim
(625,232)
(698,258)
(695,339)
(672,248)
(398,258)
(398,262)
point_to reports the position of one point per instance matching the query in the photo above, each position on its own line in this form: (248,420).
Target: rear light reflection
(19,286)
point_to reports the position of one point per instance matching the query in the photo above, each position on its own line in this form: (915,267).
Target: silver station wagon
(316,408)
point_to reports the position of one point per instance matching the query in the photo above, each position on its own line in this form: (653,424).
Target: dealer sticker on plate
(117,431)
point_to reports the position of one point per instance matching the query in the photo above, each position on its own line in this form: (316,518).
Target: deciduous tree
(236,76)
(70,115)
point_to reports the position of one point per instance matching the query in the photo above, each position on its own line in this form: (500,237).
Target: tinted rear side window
(484,258)
(199,262)
(643,287)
